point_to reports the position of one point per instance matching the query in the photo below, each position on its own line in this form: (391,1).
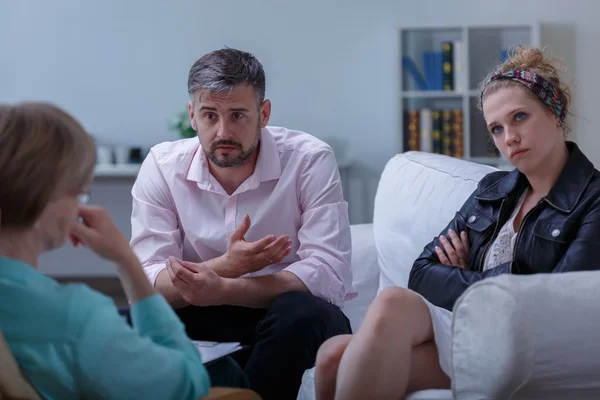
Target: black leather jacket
(561,233)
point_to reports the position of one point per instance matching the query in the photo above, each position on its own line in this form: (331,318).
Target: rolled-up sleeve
(324,235)
(155,233)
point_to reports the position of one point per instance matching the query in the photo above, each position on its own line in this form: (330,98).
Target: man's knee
(299,312)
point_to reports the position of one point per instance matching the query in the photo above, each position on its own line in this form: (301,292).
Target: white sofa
(514,337)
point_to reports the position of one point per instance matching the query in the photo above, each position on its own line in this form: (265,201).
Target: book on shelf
(442,70)
(412,135)
(448,66)
(409,65)
(437,131)
(459,137)
(436,135)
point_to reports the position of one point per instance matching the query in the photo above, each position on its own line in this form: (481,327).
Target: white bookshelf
(439,94)
(480,52)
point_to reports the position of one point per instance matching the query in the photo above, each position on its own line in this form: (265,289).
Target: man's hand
(243,257)
(456,250)
(197,284)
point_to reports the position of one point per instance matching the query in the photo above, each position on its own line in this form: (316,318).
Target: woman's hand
(455,251)
(98,233)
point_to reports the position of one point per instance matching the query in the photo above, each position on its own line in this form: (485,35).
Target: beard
(231,158)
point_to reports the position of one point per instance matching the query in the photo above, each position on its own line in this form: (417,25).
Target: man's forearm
(260,291)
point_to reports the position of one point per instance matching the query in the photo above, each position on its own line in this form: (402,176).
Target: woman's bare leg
(378,360)
(328,360)
(425,370)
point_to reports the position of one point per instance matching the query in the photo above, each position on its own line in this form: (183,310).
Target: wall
(121,66)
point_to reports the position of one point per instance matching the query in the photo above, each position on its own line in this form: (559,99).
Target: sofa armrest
(365,273)
(528,337)
(224,393)
(364,254)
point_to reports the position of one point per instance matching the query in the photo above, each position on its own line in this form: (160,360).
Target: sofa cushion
(307,390)
(432,394)
(528,337)
(418,194)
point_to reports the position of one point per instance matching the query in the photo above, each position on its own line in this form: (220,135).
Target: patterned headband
(547,93)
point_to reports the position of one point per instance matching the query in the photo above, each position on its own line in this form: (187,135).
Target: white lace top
(501,250)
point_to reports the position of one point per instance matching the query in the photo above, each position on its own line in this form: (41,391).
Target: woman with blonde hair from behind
(542,217)
(69,341)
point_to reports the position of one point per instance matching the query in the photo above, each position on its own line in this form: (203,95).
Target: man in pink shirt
(244,229)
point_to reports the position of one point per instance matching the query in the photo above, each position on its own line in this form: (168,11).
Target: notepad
(211,351)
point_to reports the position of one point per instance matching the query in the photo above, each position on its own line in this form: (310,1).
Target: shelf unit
(116,170)
(480,51)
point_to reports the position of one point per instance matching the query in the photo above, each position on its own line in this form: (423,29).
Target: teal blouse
(71,343)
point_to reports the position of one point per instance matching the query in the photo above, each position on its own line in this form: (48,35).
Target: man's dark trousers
(282,340)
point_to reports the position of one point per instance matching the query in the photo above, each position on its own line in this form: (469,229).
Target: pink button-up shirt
(180,210)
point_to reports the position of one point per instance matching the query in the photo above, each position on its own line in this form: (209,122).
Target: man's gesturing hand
(243,257)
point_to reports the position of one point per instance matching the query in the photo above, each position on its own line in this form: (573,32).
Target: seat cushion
(431,395)
(418,194)
(307,390)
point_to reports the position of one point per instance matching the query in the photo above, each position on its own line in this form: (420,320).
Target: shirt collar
(268,166)
(198,169)
(572,182)
(567,190)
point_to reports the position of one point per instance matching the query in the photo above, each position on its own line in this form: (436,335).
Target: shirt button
(472,218)
(555,233)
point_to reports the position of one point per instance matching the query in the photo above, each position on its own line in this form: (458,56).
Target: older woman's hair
(43,151)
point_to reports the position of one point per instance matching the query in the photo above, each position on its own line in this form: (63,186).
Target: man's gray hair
(222,70)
